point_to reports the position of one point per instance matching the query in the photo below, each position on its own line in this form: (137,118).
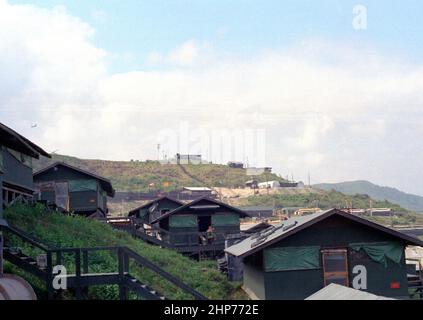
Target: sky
(331,88)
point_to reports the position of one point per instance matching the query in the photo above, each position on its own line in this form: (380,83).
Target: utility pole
(158,152)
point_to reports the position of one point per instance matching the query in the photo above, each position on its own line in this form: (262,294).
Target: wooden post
(85,261)
(1,252)
(123,292)
(49,279)
(78,289)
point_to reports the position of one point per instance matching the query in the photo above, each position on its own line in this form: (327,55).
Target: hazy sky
(109,79)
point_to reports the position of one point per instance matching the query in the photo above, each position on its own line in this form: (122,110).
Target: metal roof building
(302,255)
(337,292)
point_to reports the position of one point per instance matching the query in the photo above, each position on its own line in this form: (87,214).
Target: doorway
(62,195)
(204,222)
(335,267)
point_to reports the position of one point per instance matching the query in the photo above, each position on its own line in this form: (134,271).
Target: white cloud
(189,53)
(336,110)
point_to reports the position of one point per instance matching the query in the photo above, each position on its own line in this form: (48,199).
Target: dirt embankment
(228,193)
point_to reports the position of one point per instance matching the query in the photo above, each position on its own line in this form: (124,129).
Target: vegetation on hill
(332,199)
(60,231)
(323,200)
(142,176)
(406,200)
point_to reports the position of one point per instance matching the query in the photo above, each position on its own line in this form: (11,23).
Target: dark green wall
(292,285)
(178,237)
(16,172)
(1,195)
(82,200)
(254,280)
(335,231)
(79,201)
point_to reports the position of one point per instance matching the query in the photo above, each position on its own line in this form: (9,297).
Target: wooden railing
(82,278)
(172,240)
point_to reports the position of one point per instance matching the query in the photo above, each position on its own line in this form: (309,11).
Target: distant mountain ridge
(406,200)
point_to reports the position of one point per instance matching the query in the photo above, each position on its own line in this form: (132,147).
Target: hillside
(137,176)
(327,200)
(322,199)
(64,231)
(409,201)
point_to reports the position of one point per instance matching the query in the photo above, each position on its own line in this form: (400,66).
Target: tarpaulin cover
(225,220)
(380,252)
(183,221)
(291,258)
(82,185)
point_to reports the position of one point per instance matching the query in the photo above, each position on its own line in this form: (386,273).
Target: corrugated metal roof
(197,189)
(278,230)
(291,226)
(338,292)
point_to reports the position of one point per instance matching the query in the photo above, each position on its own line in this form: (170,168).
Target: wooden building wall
(186,239)
(1,195)
(332,232)
(15,172)
(79,201)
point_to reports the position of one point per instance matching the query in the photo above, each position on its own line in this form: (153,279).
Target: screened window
(335,267)
(222,220)
(82,185)
(183,221)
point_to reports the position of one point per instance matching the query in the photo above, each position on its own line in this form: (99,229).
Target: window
(335,267)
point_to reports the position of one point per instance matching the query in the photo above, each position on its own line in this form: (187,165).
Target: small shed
(235,165)
(252,184)
(297,258)
(185,225)
(154,209)
(74,190)
(269,185)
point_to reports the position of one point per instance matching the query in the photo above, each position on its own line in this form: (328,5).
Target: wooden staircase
(415,278)
(415,286)
(82,278)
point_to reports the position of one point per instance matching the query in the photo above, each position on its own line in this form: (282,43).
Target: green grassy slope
(136,176)
(406,200)
(63,231)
